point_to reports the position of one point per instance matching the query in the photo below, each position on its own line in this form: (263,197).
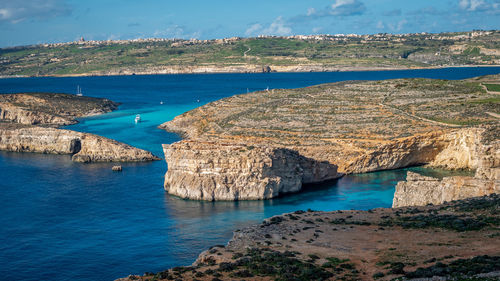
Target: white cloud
(177,31)
(316,29)
(339,3)
(347,8)
(398,26)
(380,25)
(472,5)
(253,29)
(15,11)
(277,27)
(311,11)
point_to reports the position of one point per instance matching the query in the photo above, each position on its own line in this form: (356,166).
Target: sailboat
(79,91)
(137,118)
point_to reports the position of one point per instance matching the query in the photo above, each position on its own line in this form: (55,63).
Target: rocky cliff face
(84,147)
(355,126)
(215,171)
(466,149)
(50,108)
(419,190)
(18,112)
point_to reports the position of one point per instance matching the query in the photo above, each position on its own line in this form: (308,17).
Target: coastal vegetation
(295,53)
(356,245)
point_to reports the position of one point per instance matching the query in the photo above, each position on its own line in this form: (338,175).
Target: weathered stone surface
(50,108)
(18,112)
(462,150)
(357,245)
(418,190)
(215,171)
(466,149)
(83,146)
(356,126)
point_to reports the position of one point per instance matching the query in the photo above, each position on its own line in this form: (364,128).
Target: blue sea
(61,220)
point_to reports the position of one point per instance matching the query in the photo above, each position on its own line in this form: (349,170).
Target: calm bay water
(62,220)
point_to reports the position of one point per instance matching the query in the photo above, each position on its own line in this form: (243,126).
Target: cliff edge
(454,241)
(354,127)
(27,121)
(472,149)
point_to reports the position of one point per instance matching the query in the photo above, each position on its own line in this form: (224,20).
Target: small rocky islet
(29,123)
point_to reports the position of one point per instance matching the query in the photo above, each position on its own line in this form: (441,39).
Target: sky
(25,22)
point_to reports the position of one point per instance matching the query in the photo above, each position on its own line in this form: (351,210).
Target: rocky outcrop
(419,190)
(411,151)
(18,112)
(458,240)
(466,149)
(50,108)
(462,151)
(83,146)
(215,171)
(357,126)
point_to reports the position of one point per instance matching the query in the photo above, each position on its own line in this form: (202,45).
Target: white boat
(137,118)
(79,91)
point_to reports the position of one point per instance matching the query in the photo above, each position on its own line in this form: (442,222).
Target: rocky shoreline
(243,69)
(454,240)
(29,123)
(350,127)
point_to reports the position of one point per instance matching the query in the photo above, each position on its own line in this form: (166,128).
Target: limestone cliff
(467,149)
(50,108)
(355,126)
(419,190)
(215,171)
(83,146)
(18,112)
(454,241)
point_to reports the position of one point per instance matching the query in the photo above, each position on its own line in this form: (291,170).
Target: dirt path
(489,92)
(493,114)
(245,53)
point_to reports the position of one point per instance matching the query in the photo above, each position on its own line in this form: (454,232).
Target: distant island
(300,53)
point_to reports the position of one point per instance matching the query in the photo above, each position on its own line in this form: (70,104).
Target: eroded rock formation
(50,109)
(355,126)
(83,146)
(19,112)
(215,171)
(467,149)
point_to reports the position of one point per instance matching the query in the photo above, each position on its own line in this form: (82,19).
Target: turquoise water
(63,220)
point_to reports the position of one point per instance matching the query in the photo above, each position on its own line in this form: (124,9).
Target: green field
(153,56)
(493,87)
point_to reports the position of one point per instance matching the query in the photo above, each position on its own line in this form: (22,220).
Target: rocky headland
(245,146)
(29,123)
(454,241)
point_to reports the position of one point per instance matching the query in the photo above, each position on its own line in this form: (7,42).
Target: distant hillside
(263,54)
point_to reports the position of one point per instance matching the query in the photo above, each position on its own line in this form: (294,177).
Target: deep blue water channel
(61,220)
